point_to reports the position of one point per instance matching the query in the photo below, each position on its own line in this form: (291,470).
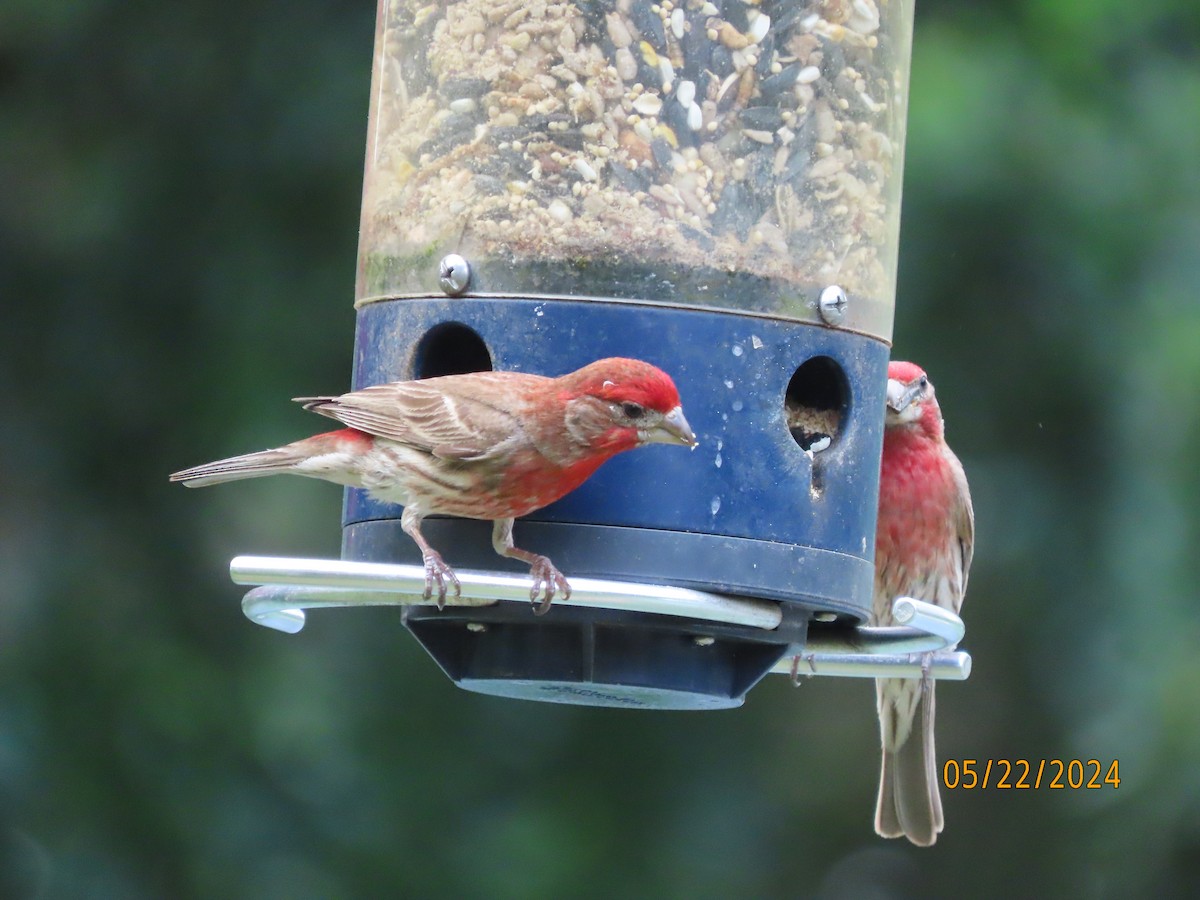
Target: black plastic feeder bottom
(572,654)
(596,657)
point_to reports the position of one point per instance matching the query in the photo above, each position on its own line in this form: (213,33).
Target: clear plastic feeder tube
(719,153)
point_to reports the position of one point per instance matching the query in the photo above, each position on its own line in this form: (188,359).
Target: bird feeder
(711,186)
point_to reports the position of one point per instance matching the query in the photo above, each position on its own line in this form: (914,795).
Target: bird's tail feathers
(248,465)
(910,804)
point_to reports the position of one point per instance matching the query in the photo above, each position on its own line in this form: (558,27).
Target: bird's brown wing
(964,523)
(453,417)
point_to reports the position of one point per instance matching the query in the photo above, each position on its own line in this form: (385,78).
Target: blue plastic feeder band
(749,512)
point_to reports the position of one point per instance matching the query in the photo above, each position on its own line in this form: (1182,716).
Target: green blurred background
(179,189)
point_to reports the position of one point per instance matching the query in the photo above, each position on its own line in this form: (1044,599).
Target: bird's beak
(900,395)
(673,429)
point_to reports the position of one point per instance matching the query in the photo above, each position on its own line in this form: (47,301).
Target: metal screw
(833,303)
(454,274)
(825,617)
(704,640)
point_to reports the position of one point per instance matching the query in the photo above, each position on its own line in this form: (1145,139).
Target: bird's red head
(641,402)
(904,371)
(621,380)
(911,400)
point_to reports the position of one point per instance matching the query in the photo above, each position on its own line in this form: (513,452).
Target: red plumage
(483,445)
(923,546)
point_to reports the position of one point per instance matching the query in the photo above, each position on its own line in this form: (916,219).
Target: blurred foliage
(178,219)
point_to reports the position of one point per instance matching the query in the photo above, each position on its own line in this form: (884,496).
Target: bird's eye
(633,410)
(924,382)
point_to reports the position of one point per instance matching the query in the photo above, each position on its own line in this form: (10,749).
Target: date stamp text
(1030,774)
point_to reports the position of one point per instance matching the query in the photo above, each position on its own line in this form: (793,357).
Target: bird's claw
(925,658)
(812,669)
(436,570)
(547,581)
(926,664)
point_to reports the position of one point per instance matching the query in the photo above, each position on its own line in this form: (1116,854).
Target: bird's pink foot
(437,571)
(547,581)
(926,663)
(812,669)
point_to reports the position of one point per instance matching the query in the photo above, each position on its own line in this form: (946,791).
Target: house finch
(923,545)
(484,445)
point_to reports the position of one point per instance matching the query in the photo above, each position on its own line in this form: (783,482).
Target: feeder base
(594,657)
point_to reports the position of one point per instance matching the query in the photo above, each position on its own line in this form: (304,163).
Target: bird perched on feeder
(482,445)
(923,546)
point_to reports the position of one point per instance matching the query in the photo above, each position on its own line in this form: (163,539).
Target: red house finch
(923,545)
(485,445)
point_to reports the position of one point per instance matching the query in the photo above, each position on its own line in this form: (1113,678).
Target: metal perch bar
(288,586)
(954,665)
(362,584)
(887,651)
